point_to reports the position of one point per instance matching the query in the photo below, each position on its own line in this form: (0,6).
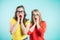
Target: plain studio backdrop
(50,11)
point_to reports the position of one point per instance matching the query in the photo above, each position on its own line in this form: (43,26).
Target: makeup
(20,16)
(35,18)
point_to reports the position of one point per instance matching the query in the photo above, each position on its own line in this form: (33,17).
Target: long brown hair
(15,17)
(35,10)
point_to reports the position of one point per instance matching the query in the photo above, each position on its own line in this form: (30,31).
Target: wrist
(38,26)
(18,22)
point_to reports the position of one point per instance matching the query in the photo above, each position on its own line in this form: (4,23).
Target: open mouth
(35,18)
(20,16)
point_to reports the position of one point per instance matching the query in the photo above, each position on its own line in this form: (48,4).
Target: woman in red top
(38,26)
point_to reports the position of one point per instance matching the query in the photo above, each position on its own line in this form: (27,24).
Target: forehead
(35,12)
(20,9)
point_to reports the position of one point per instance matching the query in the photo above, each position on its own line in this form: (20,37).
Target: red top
(38,34)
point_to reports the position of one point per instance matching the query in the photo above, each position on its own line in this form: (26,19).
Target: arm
(31,29)
(27,24)
(42,29)
(13,27)
(23,28)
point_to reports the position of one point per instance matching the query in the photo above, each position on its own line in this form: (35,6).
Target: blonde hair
(36,10)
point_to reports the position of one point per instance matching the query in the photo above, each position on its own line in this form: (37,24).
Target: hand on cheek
(18,18)
(34,21)
(22,16)
(38,25)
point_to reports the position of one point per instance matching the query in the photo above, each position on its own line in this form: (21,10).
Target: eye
(35,14)
(20,11)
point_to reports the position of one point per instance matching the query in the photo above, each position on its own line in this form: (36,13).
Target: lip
(20,16)
(35,18)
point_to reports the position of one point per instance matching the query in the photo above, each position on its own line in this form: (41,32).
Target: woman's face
(35,16)
(20,12)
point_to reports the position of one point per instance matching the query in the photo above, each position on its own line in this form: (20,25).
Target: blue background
(50,11)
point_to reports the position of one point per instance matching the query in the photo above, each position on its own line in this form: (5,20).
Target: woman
(19,24)
(38,26)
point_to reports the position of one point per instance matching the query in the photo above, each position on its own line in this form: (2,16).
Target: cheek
(23,14)
(17,14)
(37,16)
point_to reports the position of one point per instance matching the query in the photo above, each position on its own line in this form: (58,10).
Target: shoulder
(43,23)
(12,20)
(27,21)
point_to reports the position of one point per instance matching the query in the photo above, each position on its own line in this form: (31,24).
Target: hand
(22,18)
(34,20)
(38,24)
(37,20)
(32,28)
(18,18)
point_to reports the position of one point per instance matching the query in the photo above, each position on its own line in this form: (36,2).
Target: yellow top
(18,35)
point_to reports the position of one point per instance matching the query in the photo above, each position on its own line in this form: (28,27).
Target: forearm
(14,27)
(23,28)
(38,26)
(42,27)
(32,28)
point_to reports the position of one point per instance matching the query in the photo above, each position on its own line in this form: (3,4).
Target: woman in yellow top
(19,25)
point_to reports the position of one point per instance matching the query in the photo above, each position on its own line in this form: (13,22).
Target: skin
(36,22)
(14,27)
